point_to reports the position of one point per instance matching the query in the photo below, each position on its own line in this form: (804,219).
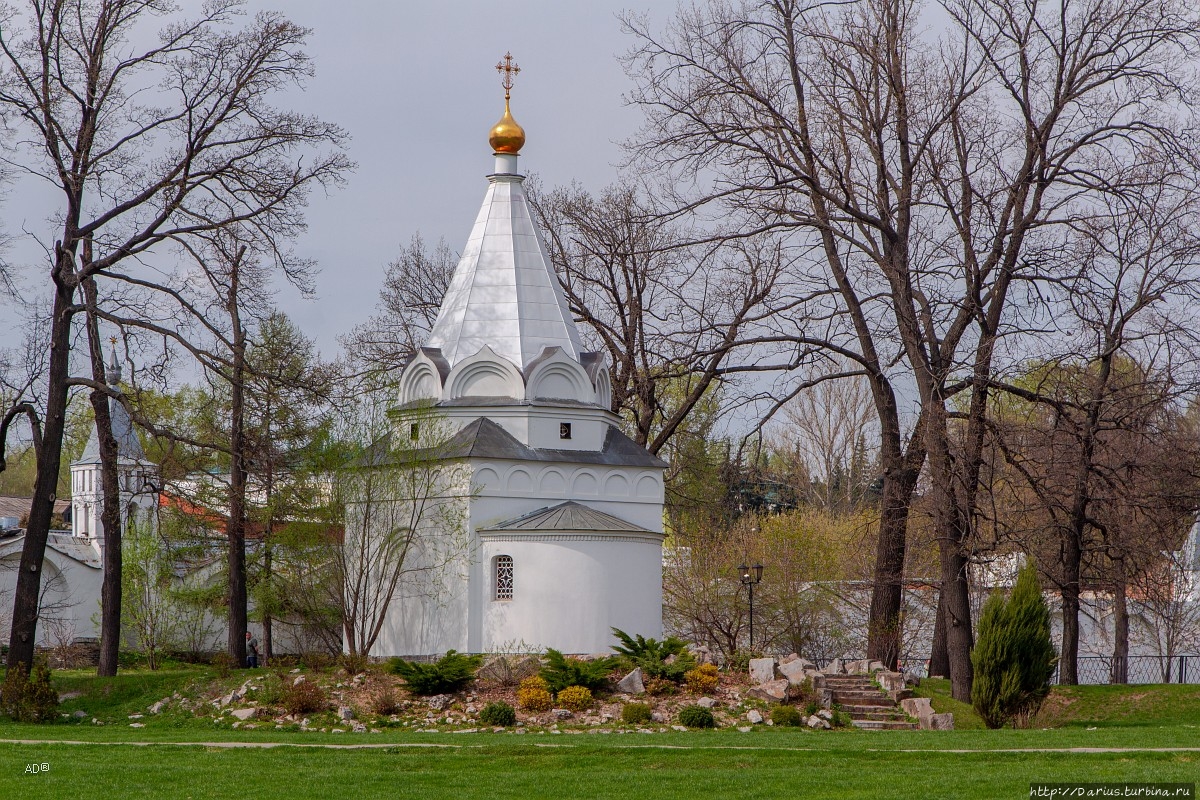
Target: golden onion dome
(506,135)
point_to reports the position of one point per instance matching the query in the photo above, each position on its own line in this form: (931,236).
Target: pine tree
(1014,656)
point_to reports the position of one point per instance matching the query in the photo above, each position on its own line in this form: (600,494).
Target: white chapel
(563,514)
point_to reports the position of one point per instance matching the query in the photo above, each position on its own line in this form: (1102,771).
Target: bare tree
(147,147)
(401,501)
(921,173)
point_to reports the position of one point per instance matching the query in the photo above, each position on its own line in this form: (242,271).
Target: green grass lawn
(774,763)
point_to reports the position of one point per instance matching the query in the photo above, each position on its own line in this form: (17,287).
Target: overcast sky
(415,85)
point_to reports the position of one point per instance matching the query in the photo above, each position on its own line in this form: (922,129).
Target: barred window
(504,577)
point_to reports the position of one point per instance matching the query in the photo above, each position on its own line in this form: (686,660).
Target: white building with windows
(72,571)
(562,512)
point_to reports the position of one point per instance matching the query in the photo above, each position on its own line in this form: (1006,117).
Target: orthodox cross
(509,70)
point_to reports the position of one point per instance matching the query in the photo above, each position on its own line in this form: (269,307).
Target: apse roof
(568,516)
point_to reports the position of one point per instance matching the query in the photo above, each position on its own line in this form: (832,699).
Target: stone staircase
(868,706)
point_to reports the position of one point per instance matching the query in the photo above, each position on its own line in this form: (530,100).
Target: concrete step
(864,708)
(882,725)
(898,716)
(864,700)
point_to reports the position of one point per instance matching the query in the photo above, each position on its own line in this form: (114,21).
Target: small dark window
(414,431)
(564,430)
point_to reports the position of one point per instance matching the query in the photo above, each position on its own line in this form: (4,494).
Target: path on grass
(385,746)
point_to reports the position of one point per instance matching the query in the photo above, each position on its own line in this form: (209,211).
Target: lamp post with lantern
(751,576)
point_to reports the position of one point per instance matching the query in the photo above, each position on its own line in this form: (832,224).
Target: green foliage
(636,713)
(28,698)
(787,716)
(561,672)
(222,662)
(697,717)
(1014,655)
(667,659)
(575,698)
(304,697)
(270,693)
(498,714)
(740,660)
(449,673)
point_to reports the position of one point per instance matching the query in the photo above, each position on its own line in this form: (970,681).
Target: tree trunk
(23,634)
(884,627)
(268,646)
(939,658)
(110,514)
(1068,661)
(236,529)
(1119,671)
(959,640)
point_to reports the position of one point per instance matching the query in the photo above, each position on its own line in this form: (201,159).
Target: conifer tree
(1014,657)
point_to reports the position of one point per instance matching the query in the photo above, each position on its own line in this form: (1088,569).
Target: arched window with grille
(503,576)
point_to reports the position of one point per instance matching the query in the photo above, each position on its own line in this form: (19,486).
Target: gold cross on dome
(112,340)
(508,69)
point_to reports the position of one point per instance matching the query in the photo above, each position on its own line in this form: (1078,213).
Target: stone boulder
(244,714)
(706,702)
(632,683)
(345,712)
(818,722)
(754,717)
(763,670)
(439,702)
(835,667)
(941,722)
(772,691)
(891,682)
(795,671)
(875,666)
(920,708)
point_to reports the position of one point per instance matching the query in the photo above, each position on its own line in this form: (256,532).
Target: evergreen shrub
(668,659)
(561,672)
(1014,656)
(498,714)
(788,716)
(449,673)
(635,713)
(28,697)
(697,717)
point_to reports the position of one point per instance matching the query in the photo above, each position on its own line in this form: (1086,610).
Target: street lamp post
(751,576)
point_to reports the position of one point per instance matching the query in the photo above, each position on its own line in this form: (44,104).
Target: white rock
(706,702)
(632,683)
(79,714)
(754,716)
(762,670)
(345,712)
(244,713)
(680,728)
(137,725)
(299,680)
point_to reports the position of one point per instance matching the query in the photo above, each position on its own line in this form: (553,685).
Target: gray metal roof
(483,438)
(568,516)
(504,292)
(129,447)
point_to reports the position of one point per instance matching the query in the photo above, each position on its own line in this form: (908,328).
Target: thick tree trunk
(23,634)
(959,638)
(884,626)
(236,529)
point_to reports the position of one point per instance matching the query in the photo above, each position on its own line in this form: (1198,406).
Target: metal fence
(1140,669)
(1093,670)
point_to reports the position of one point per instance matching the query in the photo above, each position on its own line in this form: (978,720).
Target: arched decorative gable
(484,374)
